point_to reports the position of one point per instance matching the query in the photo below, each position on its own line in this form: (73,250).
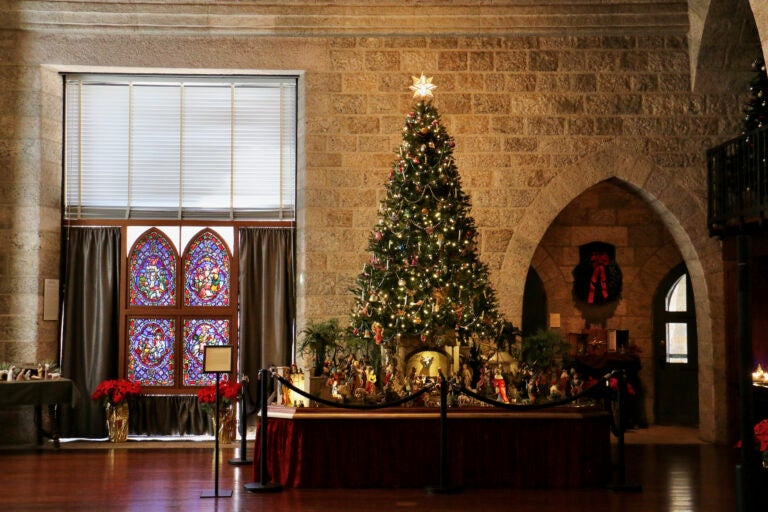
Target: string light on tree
(424,271)
(756,111)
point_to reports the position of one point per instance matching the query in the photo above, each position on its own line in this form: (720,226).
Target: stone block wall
(542,107)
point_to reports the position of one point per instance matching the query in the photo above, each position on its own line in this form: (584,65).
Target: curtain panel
(267,303)
(90,330)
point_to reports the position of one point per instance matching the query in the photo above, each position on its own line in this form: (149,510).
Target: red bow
(599,261)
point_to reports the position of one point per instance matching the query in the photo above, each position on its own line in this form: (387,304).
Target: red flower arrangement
(229,393)
(761,441)
(761,435)
(116,391)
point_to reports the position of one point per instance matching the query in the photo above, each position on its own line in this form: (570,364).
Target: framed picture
(217,358)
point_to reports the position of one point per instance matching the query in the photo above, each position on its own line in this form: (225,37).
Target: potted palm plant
(540,349)
(319,340)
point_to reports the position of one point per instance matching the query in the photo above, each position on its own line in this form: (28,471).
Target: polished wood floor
(692,477)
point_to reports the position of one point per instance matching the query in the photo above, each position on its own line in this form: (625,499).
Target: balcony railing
(738,183)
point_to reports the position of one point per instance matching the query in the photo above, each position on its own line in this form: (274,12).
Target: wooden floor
(692,476)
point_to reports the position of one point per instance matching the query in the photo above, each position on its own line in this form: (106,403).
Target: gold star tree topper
(422,86)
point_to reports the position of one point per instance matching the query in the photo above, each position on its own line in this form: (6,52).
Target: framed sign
(217,358)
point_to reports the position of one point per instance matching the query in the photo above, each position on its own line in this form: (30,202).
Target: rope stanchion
(444,487)
(621,484)
(243,459)
(263,485)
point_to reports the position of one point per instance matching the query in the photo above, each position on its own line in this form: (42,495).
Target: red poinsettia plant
(229,393)
(761,441)
(761,438)
(115,391)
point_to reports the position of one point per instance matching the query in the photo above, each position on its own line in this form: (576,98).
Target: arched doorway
(676,398)
(680,219)
(534,304)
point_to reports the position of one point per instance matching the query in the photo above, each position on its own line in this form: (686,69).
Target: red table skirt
(319,447)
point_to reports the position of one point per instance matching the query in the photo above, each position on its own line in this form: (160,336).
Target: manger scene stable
(424,310)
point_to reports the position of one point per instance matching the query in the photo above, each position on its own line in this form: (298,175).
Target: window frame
(687,317)
(234,222)
(179,311)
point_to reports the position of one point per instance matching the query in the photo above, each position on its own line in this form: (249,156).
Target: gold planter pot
(227,425)
(117,422)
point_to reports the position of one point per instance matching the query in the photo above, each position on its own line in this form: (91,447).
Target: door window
(677,332)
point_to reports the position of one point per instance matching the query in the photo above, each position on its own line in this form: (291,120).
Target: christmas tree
(424,277)
(756,111)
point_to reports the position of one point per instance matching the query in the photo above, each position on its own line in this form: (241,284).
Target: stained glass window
(151,344)
(206,272)
(197,334)
(164,347)
(152,271)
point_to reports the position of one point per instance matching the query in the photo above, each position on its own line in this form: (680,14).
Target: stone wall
(542,107)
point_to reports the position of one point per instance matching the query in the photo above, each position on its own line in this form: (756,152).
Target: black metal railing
(737,177)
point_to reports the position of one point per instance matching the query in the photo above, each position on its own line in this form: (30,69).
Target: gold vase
(227,424)
(117,422)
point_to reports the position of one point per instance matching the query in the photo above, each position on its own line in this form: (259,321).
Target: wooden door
(676,396)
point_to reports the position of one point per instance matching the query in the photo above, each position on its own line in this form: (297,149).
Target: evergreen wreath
(597,279)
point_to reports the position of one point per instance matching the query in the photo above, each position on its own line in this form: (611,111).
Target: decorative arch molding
(697,15)
(723,40)
(624,163)
(681,212)
(760,11)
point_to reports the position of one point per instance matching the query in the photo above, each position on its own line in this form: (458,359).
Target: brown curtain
(91,272)
(267,302)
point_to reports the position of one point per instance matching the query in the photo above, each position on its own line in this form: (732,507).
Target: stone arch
(681,212)
(624,163)
(760,12)
(723,40)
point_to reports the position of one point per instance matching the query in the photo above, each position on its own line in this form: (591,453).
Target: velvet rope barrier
(593,391)
(427,387)
(590,391)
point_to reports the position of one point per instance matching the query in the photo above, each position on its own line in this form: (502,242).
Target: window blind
(165,147)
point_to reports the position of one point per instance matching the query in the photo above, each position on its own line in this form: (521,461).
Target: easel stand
(243,459)
(215,359)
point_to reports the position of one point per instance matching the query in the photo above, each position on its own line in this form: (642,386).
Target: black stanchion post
(216,493)
(621,483)
(263,485)
(444,487)
(243,459)
(745,469)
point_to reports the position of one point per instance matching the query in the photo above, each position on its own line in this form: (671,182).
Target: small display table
(37,393)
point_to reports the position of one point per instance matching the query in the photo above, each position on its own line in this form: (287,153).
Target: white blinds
(180,147)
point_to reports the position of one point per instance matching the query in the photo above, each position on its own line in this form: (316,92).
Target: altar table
(566,447)
(37,393)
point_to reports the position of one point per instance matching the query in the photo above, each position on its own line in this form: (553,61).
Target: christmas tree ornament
(422,87)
